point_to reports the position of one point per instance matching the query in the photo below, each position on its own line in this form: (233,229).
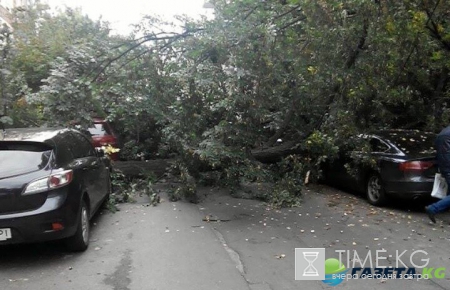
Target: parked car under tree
(403,166)
(103,135)
(52,181)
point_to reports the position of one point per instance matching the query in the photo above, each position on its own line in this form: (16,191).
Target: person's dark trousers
(444,203)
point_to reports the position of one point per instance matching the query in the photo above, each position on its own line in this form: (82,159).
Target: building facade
(7,7)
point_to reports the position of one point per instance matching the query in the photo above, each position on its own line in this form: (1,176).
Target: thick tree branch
(432,26)
(287,12)
(437,98)
(139,43)
(293,22)
(362,40)
(249,13)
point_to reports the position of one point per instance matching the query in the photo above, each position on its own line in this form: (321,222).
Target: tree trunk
(275,154)
(439,99)
(139,169)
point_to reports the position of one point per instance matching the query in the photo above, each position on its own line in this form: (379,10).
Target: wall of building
(6,8)
(11,4)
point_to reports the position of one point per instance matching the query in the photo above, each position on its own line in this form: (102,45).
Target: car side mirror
(100,152)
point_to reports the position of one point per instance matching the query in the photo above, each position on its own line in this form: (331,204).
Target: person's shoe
(430,214)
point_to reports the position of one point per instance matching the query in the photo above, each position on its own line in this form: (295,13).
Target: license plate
(5,234)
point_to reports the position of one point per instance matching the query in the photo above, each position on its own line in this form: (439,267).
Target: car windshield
(16,159)
(99,129)
(413,142)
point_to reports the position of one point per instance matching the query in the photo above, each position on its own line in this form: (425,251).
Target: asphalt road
(182,246)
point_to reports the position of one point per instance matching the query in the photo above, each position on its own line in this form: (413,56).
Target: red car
(103,135)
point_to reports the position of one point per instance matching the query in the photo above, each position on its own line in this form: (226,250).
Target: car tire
(376,194)
(80,241)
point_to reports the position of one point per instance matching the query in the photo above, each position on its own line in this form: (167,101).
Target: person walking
(442,144)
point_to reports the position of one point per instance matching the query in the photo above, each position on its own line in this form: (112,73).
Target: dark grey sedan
(403,166)
(52,181)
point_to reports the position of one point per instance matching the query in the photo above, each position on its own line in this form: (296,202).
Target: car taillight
(50,182)
(61,179)
(415,165)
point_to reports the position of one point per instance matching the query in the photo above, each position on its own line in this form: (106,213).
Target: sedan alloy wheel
(375,190)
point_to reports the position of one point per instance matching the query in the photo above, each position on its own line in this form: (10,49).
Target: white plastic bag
(439,187)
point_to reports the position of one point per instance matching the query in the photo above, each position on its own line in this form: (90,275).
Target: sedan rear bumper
(411,190)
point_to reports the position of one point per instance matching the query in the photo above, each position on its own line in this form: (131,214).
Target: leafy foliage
(262,79)
(125,189)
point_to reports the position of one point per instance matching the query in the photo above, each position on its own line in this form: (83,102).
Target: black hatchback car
(52,181)
(403,166)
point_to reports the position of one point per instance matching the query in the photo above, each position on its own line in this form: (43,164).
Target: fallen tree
(276,153)
(139,169)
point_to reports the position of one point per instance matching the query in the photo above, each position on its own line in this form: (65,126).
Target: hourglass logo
(309,263)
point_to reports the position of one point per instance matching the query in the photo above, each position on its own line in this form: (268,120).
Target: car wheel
(80,241)
(375,190)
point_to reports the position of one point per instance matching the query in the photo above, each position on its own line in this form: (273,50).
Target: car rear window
(20,158)
(99,129)
(414,142)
